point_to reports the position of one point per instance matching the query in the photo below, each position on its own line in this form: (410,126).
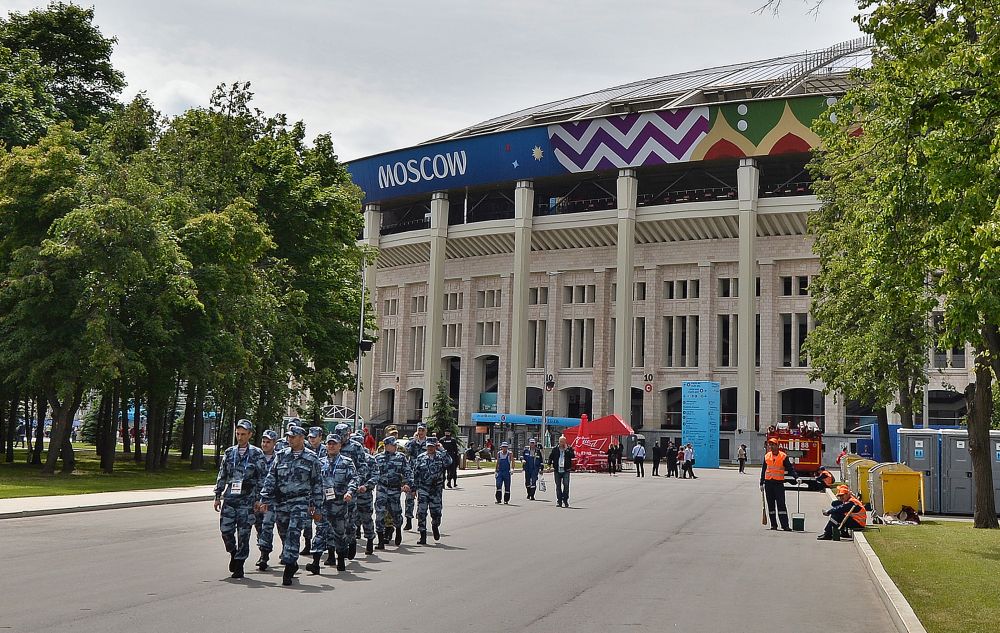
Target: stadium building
(613,245)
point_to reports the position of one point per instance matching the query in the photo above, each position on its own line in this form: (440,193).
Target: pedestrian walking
(503,470)
(414,449)
(314,443)
(340,484)
(772,482)
(428,475)
(364,499)
(741,457)
(671,459)
(561,461)
(532,463)
(450,445)
(657,456)
(241,475)
(638,457)
(689,459)
(354,448)
(294,488)
(264,521)
(394,478)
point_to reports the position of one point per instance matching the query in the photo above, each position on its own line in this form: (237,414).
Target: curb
(24,514)
(900,611)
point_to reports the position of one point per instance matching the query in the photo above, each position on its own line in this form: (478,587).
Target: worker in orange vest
(772,481)
(824,478)
(848,507)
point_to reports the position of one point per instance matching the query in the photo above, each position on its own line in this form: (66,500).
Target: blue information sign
(700,421)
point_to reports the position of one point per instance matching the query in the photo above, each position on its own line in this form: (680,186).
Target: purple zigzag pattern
(625,122)
(628,155)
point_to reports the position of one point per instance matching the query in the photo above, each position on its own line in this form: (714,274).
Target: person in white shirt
(639,456)
(689,461)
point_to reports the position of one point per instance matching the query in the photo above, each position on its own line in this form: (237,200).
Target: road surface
(650,554)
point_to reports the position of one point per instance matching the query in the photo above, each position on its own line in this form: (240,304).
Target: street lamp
(549,385)
(364,345)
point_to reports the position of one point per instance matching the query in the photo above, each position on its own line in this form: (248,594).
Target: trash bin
(845,464)
(957,491)
(920,449)
(463,462)
(995,455)
(857,478)
(894,485)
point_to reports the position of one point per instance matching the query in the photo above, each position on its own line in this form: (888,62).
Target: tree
(26,106)
(928,113)
(443,416)
(83,81)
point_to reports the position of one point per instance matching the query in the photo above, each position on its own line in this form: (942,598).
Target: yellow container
(845,465)
(898,489)
(857,476)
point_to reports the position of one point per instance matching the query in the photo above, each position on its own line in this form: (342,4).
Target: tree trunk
(154,418)
(41,408)
(12,428)
(171,420)
(137,440)
(198,430)
(99,423)
(62,420)
(979,397)
(110,424)
(906,406)
(885,446)
(126,442)
(187,432)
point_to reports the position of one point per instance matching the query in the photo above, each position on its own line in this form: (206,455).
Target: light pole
(364,345)
(549,383)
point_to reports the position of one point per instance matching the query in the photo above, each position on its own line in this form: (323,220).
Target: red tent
(591,439)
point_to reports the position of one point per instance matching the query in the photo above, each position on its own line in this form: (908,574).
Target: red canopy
(609,425)
(590,440)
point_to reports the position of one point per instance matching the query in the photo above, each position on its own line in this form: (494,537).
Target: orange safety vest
(860,514)
(775,470)
(826,477)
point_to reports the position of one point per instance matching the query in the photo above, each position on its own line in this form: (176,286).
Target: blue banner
(495,158)
(700,421)
(511,418)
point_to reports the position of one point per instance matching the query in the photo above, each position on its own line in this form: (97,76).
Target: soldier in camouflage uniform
(264,521)
(294,486)
(241,475)
(428,475)
(394,476)
(356,451)
(340,484)
(414,448)
(282,442)
(365,499)
(314,443)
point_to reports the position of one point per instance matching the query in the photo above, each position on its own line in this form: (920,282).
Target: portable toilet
(957,493)
(857,478)
(995,458)
(893,485)
(920,449)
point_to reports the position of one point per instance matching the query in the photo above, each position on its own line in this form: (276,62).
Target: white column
(625,276)
(372,232)
(435,297)
(524,203)
(747,179)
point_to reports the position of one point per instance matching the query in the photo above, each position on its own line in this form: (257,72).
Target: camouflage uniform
(393,473)
(307,533)
(356,451)
(264,521)
(368,477)
(293,484)
(238,484)
(339,477)
(428,475)
(414,448)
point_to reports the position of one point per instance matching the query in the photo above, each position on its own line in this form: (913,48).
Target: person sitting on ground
(846,513)
(824,478)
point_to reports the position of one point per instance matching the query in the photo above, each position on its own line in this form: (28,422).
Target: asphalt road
(630,555)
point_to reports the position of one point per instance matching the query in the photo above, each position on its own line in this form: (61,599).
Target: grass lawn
(948,572)
(20,480)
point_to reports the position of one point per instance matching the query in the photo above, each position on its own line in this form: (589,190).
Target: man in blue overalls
(531,464)
(504,468)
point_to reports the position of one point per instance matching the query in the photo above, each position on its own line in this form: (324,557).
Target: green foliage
(443,416)
(26,106)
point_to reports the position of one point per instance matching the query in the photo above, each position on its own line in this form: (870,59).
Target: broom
(763,509)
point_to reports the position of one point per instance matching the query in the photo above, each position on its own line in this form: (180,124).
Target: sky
(381,75)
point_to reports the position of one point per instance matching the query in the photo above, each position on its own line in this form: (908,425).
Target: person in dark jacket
(776,467)
(657,456)
(671,459)
(561,461)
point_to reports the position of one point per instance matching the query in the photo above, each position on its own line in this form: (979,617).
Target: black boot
(238,569)
(369,547)
(357,531)
(340,563)
(423,538)
(506,498)
(286,578)
(232,563)
(399,536)
(381,540)
(262,561)
(498,497)
(436,531)
(352,549)
(331,557)
(409,524)
(313,567)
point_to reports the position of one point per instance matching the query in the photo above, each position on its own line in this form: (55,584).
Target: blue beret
(295,430)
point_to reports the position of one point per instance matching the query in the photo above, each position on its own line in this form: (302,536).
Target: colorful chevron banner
(631,140)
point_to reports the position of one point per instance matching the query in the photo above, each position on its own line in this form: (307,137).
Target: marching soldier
(428,475)
(340,483)
(314,442)
(241,475)
(264,521)
(394,476)
(414,449)
(294,488)
(365,498)
(356,451)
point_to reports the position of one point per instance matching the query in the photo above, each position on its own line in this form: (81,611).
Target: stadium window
(668,290)
(681,289)
(417,359)
(639,291)
(388,351)
(786,286)
(639,342)
(694,289)
(803,285)
(418,304)
(786,340)
(668,341)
